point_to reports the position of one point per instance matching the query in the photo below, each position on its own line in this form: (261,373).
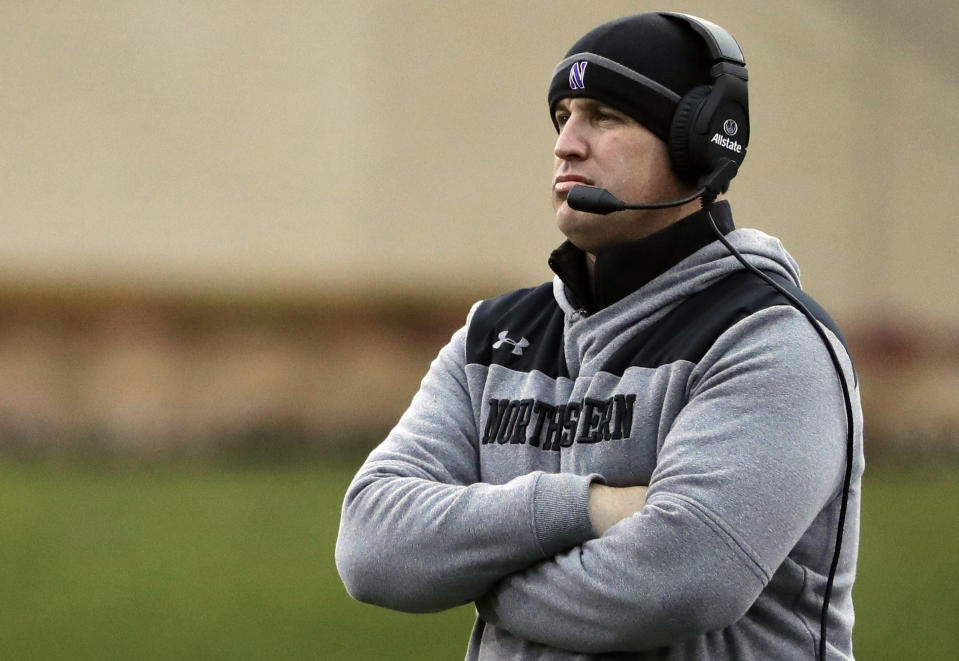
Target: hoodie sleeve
(420,532)
(752,459)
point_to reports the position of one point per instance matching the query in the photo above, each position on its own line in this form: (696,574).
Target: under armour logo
(576,74)
(517,346)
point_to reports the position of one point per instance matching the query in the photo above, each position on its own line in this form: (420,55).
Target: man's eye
(561,118)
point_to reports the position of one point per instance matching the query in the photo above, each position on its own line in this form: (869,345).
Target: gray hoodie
(702,384)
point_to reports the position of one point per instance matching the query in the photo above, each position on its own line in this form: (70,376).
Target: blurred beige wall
(347,147)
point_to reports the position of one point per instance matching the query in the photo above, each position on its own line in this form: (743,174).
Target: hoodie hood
(588,337)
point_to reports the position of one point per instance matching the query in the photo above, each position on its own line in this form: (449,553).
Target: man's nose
(571,144)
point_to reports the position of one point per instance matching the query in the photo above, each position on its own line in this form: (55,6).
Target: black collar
(625,267)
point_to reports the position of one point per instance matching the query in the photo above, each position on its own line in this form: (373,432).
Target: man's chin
(581,229)
(570,222)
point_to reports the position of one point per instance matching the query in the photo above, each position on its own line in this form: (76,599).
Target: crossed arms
(568,562)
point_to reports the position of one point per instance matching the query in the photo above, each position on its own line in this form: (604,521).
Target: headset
(711,122)
(707,143)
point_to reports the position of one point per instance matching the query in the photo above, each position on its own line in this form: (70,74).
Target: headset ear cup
(681,134)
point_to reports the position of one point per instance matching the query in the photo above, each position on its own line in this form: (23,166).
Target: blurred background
(234,234)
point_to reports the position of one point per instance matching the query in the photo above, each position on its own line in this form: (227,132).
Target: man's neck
(598,280)
(671,216)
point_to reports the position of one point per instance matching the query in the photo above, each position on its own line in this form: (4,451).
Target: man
(644,458)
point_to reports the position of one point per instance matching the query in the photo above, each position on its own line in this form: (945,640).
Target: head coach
(657,455)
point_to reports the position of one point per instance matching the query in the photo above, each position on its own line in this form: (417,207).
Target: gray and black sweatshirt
(677,370)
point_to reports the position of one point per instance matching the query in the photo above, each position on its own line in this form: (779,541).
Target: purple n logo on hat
(576,73)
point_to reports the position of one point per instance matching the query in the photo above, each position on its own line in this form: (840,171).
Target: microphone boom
(593,199)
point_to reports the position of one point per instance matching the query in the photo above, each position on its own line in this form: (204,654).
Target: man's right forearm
(421,531)
(415,544)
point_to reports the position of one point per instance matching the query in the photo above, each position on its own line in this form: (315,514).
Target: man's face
(601,146)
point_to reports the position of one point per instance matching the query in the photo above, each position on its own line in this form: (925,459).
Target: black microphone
(593,199)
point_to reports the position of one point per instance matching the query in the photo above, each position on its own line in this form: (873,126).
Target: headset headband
(722,46)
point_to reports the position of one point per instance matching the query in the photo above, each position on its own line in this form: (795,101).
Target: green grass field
(237,563)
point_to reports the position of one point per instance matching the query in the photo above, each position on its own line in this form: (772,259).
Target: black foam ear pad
(681,134)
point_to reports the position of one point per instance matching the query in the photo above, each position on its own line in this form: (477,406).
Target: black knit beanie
(641,65)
